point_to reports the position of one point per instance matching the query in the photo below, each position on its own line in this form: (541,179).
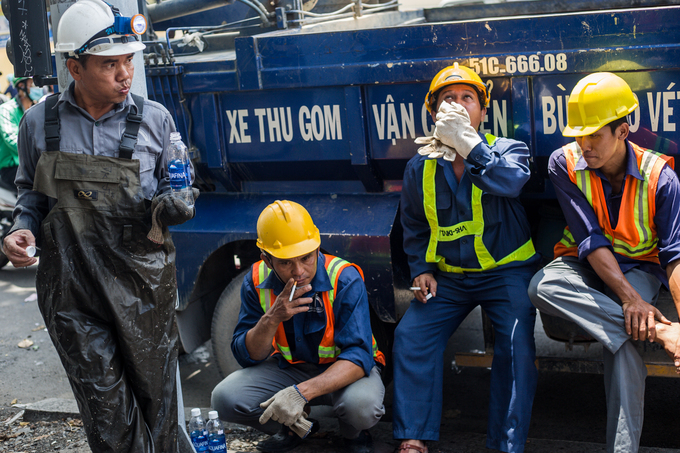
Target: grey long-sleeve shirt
(81,134)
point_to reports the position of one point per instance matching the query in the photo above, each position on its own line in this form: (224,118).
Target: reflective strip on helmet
(475,228)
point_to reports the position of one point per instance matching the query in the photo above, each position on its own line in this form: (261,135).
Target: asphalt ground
(568,416)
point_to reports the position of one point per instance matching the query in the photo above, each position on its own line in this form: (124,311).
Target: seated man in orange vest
(303,338)
(621,203)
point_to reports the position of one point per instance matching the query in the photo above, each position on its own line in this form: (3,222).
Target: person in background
(11,113)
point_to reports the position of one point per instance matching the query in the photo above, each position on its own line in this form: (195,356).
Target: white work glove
(454,129)
(434,148)
(286,407)
(302,426)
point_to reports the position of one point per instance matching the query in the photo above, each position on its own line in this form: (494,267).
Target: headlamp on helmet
(125,29)
(95,27)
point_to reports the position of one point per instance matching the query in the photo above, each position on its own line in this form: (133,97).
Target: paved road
(569,410)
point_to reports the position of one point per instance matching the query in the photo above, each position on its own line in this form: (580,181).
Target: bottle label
(222,446)
(177,170)
(200,441)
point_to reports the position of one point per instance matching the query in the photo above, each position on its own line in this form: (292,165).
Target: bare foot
(668,336)
(406,446)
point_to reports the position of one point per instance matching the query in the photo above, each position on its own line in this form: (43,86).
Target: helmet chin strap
(270,263)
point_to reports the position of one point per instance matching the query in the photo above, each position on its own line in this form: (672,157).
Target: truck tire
(383,333)
(224,322)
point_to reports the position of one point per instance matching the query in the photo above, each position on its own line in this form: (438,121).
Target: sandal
(407,447)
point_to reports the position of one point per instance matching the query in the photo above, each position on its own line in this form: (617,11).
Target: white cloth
(434,148)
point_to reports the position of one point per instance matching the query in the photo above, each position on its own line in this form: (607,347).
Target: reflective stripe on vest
(454,232)
(328,351)
(635,232)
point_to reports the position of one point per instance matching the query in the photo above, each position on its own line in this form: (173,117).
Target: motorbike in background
(7,202)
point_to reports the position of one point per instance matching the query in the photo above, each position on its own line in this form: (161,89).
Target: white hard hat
(92,27)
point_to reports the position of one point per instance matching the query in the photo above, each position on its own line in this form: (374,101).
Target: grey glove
(435,149)
(454,129)
(169,209)
(172,209)
(286,407)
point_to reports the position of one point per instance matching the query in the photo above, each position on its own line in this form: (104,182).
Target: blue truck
(320,102)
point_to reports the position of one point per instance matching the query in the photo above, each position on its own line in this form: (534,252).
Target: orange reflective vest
(328,351)
(635,232)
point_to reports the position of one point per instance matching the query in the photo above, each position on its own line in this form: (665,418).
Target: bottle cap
(212,415)
(195,412)
(175,136)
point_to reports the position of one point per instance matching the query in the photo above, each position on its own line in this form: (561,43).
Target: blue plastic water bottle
(179,170)
(197,431)
(216,440)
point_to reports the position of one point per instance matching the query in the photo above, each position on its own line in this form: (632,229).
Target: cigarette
(417,288)
(292,292)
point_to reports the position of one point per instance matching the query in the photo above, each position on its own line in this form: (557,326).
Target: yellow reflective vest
(474,227)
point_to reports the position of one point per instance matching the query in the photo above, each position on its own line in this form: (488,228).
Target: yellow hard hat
(286,230)
(455,74)
(597,100)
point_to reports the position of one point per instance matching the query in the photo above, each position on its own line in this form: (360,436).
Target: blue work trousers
(422,335)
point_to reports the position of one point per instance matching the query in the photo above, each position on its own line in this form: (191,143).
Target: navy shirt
(500,171)
(585,227)
(304,331)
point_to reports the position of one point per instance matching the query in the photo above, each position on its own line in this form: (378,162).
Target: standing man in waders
(92,168)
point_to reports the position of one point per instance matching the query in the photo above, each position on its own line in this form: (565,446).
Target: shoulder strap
(133,121)
(52,137)
(128,142)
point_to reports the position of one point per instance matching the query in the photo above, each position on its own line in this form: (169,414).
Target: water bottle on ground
(216,440)
(179,170)
(197,431)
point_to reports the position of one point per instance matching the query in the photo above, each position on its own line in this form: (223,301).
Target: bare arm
(339,375)
(638,313)
(259,338)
